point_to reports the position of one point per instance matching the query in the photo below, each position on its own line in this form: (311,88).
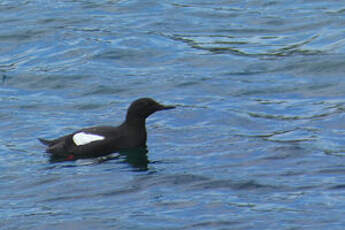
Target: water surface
(257,141)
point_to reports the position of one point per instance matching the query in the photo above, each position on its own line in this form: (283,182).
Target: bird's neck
(135,122)
(136,130)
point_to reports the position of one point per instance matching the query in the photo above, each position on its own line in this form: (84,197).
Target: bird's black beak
(164,107)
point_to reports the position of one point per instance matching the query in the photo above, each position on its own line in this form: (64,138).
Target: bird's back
(97,141)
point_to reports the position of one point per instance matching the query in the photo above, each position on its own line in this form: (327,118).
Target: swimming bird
(103,140)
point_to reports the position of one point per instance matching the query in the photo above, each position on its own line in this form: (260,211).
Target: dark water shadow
(135,157)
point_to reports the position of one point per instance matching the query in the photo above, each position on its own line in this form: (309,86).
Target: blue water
(257,140)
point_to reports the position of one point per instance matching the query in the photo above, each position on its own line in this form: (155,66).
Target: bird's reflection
(135,157)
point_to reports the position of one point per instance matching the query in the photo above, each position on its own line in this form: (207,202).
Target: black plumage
(108,139)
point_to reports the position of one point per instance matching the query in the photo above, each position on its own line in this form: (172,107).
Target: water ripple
(256,141)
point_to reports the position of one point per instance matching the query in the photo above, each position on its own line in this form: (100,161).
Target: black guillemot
(104,140)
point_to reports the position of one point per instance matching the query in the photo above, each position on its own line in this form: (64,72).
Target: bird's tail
(46,142)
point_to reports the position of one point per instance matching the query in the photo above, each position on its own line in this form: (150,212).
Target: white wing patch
(83,138)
